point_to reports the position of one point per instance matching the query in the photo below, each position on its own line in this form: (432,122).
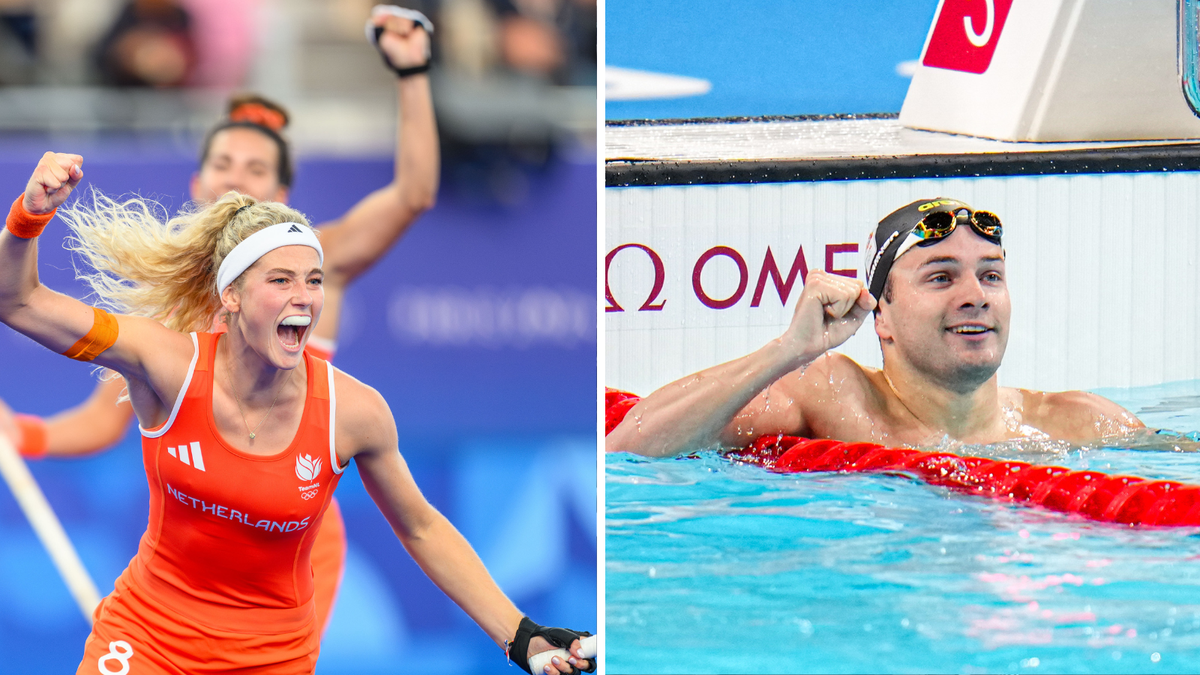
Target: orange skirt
(135,634)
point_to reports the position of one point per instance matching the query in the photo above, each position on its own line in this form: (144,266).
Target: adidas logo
(295,228)
(195,458)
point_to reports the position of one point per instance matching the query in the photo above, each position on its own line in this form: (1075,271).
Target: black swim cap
(890,238)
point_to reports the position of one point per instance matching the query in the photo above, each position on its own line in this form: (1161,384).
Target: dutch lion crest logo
(307,468)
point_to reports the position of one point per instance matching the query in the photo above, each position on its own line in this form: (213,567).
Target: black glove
(518,649)
(419,20)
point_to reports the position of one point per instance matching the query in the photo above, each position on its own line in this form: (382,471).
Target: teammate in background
(221,581)
(936,281)
(248,154)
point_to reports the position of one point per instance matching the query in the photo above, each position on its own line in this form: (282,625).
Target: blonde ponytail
(164,270)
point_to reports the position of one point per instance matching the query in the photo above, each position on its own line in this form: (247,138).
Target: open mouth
(291,331)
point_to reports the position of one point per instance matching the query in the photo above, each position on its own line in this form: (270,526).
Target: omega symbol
(659,277)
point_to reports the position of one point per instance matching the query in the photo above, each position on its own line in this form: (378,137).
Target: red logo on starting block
(965,34)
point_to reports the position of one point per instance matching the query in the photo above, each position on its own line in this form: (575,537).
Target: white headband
(261,243)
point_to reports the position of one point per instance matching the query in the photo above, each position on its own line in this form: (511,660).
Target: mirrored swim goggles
(920,223)
(941,224)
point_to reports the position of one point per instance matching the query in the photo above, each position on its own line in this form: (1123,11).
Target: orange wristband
(33,436)
(102,336)
(24,224)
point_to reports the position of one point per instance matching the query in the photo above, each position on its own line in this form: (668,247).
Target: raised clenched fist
(52,182)
(829,311)
(403,41)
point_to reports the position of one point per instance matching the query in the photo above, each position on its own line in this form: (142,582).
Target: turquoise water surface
(717,567)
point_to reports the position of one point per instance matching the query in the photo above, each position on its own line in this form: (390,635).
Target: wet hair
(143,264)
(886,296)
(251,111)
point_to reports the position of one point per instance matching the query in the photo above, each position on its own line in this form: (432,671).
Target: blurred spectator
(150,45)
(515,78)
(552,39)
(466,36)
(549,40)
(18,42)
(219,43)
(502,113)
(224,34)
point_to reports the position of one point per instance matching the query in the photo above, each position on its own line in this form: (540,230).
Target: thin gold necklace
(229,378)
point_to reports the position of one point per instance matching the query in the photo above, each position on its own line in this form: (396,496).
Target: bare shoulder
(835,372)
(1056,403)
(364,419)
(151,355)
(143,339)
(1076,415)
(829,387)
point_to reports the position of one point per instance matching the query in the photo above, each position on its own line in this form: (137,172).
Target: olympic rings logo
(119,651)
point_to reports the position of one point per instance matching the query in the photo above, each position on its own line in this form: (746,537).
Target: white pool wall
(1101,269)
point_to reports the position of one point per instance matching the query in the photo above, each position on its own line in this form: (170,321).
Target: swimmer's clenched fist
(53,180)
(829,311)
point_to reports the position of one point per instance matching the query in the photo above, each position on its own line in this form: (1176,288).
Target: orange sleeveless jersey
(222,579)
(329,549)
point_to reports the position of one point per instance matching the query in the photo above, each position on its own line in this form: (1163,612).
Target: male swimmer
(936,282)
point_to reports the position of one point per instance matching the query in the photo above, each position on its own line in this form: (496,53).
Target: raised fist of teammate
(52,181)
(403,41)
(829,311)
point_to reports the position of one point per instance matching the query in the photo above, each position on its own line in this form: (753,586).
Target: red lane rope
(1091,494)
(616,405)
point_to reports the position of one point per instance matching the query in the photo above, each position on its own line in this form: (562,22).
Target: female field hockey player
(222,581)
(248,153)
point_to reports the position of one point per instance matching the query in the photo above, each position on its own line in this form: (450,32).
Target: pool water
(715,567)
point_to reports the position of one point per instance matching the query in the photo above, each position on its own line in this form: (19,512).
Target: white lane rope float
(538,662)
(49,530)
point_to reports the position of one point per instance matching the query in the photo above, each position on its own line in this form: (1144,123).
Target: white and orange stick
(29,496)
